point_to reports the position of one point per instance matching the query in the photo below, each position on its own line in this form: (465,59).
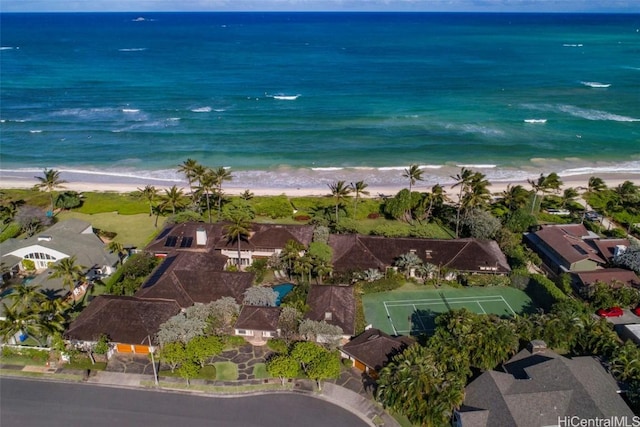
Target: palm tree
(149,193)
(514,197)
(568,196)
(49,182)
(220,175)
(413,173)
(339,191)
(237,230)
(536,186)
(207,186)
(359,188)
(118,249)
(188,168)
(463,180)
(246,195)
(596,185)
(290,254)
(477,194)
(67,270)
(174,198)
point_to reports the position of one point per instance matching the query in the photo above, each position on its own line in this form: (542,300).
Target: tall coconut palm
(462,180)
(173,198)
(220,175)
(207,186)
(150,194)
(339,192)
(237,230)
(477,195)
(514,197)
(188,168)
(413,173)
(595,185)
(359,188)
(118,249)
(67,270)
(49,182)
(536,187)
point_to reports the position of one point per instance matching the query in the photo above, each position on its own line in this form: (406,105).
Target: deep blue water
(115,96)
(282,290)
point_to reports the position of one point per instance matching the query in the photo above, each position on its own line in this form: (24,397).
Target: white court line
(413,301)
(512,310)
(389,317)
(481,307)
(420,319)
(435,302)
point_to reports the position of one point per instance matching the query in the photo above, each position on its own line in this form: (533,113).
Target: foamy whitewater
(292,100)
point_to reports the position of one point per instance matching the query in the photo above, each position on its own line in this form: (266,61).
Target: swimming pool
(282,290)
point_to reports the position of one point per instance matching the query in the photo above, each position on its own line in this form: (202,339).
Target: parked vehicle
(636,311)
(610,312)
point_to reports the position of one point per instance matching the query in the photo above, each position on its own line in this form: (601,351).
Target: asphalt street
(26,402)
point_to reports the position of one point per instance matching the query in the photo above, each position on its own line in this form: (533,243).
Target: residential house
(538,387)
(190,278)
(353,252)
(130,323)
(585,281)
(334,304)
(189,237)
(72,237)
(258,324)
(265,241)
(373,349)
(566,248)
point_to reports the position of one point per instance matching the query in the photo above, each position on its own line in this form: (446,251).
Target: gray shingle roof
(537,388)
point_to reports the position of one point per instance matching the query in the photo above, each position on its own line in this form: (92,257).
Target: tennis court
(414,312)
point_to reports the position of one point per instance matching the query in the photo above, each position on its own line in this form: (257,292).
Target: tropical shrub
(543,291)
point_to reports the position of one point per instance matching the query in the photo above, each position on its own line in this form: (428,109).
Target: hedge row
(543,291)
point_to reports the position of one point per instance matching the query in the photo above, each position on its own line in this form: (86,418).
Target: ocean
(297,100)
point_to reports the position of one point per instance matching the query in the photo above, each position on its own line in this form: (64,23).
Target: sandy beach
(375,190)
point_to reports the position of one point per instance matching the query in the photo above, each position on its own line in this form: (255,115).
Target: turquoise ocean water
(297,100)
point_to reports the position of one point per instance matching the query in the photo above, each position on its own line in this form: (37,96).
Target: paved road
(26,402)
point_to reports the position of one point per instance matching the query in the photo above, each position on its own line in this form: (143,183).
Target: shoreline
(321,189)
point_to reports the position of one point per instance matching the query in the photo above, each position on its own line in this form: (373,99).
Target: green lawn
(132,230)
(260,371)
(414,312)
(226,371)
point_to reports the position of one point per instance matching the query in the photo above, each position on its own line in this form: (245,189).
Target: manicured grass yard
(132,230)
(414,312)
(260,371)
(226,371)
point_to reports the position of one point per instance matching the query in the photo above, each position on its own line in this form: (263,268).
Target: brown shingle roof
(607,247)
(337,300)
(567,241)
(127,320)
(258,318)
(609,276)
(183,237)
(375,348)
(270,236)
(190,286)
(356,252)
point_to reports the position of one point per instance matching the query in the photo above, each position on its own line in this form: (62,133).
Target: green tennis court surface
(414,312)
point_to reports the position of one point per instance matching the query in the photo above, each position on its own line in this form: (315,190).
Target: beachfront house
(73,237)
(538,387)
(354,252)
(264,240)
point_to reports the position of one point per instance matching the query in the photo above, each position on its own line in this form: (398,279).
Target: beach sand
(576,181)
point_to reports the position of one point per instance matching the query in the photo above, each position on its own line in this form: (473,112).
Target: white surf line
(512,310)
(389,317)
(419,318)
